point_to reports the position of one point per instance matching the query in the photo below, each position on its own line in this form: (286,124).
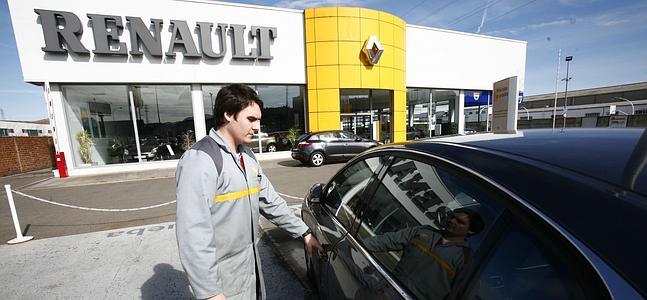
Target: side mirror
(314,195)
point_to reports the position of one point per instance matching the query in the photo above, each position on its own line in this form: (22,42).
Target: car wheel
(317,159)
(271,148)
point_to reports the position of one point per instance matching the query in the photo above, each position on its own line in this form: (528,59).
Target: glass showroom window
(419,121)
(284,109)
(100,121)
(477,105)
(164,121)
(445,108)
(209,93)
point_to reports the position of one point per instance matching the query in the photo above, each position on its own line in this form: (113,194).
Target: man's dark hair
(231,99)
(476,222)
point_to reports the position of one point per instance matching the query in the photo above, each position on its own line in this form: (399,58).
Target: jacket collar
(214,135)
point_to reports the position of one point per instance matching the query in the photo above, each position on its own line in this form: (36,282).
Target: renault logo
(373,49)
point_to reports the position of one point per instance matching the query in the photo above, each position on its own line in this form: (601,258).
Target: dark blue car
(316,148)
(541,214)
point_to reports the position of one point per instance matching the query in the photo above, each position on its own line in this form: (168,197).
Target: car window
(426,219)
(344,190)
(522,267)
(327,136)
(347,135)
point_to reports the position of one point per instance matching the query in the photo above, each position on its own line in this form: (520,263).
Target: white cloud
(576,2)
(301,4)
(549,24)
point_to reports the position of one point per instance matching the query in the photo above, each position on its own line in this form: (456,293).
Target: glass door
(367,113)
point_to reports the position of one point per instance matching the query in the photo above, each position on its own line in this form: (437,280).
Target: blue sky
(607,39)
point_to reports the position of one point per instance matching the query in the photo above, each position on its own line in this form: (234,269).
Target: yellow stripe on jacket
(435,256)
(237,195)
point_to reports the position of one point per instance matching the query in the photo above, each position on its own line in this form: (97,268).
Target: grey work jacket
(427,266)
(217,219)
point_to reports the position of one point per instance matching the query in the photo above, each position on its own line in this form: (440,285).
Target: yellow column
(334,60)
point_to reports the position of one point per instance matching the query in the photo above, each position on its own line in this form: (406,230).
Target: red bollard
(60,164)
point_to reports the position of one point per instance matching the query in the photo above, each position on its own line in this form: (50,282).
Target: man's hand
(218,297)
(312,244)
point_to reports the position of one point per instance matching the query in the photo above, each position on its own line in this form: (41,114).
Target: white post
(19,237)
(197,103)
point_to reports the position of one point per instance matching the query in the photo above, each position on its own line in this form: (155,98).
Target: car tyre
(317,158)
(271,148)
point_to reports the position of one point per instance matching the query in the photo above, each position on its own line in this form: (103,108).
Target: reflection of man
(430,259)
(221,190)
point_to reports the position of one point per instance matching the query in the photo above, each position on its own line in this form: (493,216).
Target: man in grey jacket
(221,192)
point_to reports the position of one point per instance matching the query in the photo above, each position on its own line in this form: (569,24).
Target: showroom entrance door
(367,113)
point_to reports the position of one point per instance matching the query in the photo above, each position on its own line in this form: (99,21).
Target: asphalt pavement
(68,241)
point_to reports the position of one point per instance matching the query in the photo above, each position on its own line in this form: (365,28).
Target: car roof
(591,182)
(609,154)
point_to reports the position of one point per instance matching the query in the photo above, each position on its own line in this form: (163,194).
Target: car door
(341,272)
(333,145)
(352,146)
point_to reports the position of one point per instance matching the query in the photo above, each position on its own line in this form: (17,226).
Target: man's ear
(229,117)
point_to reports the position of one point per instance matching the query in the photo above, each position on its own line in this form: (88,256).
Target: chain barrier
(91,208)
(288,196)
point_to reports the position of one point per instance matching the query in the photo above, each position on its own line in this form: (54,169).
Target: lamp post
(568,63)
(633,110)
(527,113)
(559,56)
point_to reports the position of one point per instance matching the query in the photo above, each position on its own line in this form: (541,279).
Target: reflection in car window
(327,136)
(423,224)
(344,190)
(347,135)
(523,268)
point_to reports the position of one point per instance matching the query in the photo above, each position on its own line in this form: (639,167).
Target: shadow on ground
(166,283)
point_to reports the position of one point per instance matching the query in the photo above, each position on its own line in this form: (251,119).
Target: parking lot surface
(88,254)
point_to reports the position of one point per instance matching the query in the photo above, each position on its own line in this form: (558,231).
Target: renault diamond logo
(373,49)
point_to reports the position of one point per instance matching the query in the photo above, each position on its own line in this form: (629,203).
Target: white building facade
(136,81)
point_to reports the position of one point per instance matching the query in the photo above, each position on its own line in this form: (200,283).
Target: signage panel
(476,98)
(504,106)
(158,41)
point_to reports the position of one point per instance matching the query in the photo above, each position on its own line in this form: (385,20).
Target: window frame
(369,190)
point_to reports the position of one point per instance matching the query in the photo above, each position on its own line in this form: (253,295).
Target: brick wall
(25,154)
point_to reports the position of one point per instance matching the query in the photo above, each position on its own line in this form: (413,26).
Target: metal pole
(568,63)
(19,237)
(559,57)
(487,116)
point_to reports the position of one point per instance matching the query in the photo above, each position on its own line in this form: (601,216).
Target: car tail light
(304,144)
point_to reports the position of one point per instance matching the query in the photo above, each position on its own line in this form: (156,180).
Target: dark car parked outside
(319,147)
(534,215)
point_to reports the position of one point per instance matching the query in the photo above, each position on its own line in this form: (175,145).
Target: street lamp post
(568,62)
(559,56)
(633,110)
(527,113)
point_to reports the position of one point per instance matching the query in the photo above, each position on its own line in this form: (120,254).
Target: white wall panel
(287,66)
(439,58)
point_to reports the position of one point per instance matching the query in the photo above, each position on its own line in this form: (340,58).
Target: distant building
(619,100)
(22,128)
(602,101)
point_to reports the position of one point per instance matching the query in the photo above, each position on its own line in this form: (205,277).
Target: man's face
(243,126)
(459,224)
